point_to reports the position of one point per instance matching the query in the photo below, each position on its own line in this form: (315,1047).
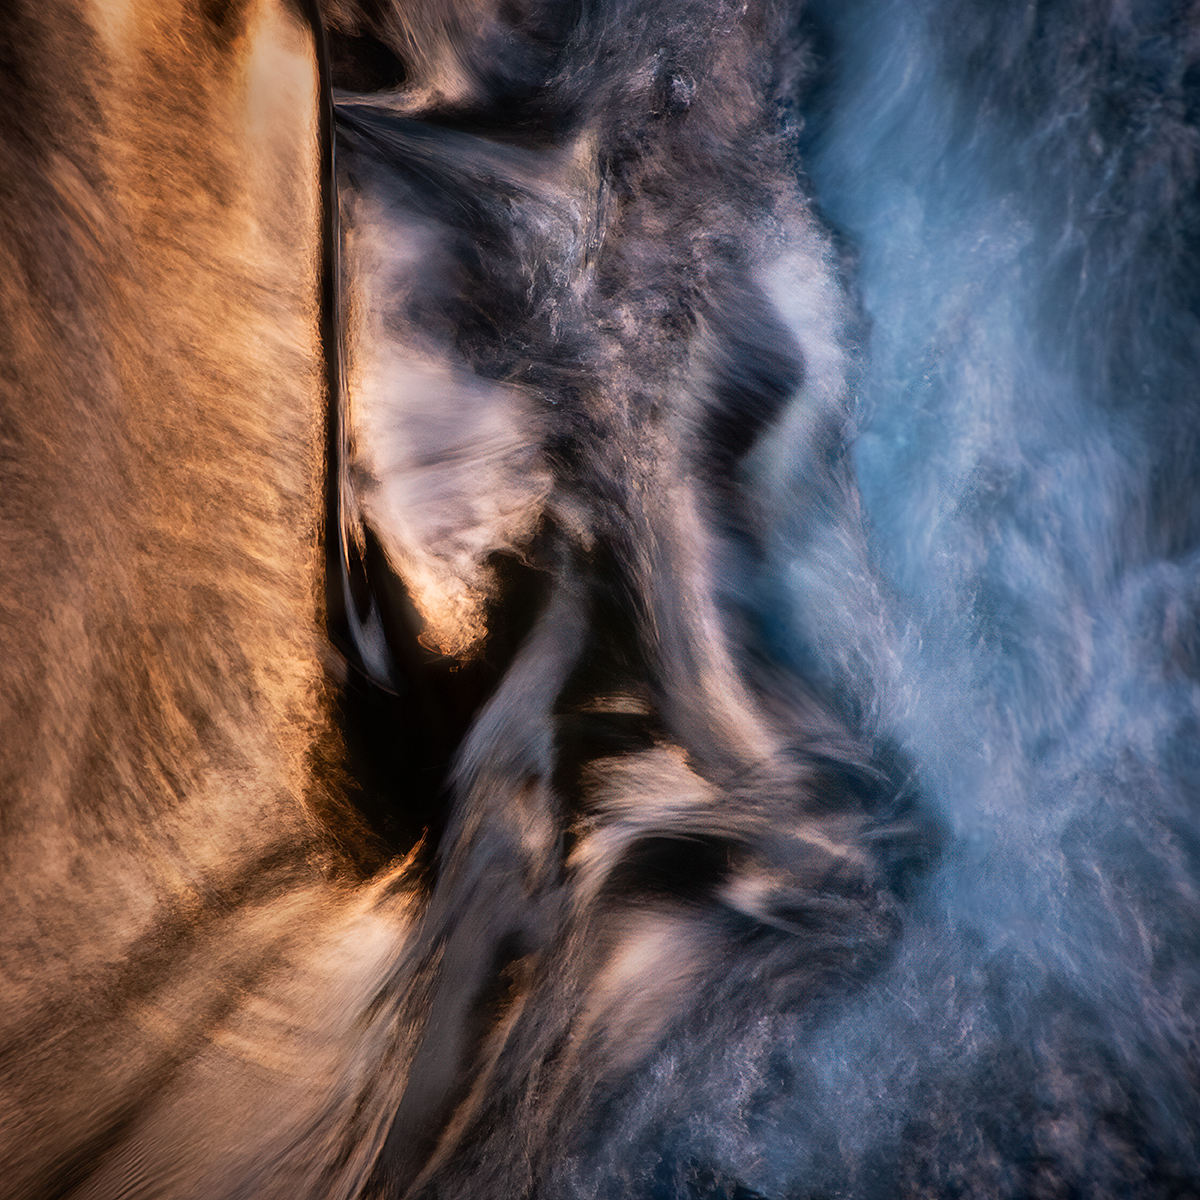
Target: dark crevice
(402,741)
(362,63)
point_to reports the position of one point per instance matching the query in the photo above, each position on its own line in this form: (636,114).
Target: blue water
(1010,594)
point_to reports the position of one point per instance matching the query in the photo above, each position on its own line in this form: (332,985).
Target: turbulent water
(951,462)
(1008,591)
